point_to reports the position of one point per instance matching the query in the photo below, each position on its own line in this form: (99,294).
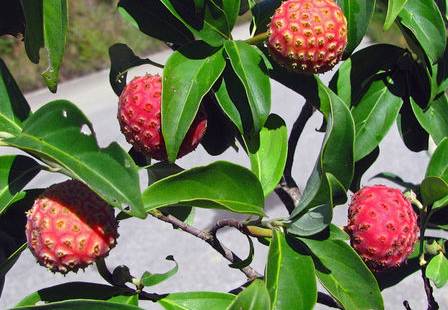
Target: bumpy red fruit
(308,35)
(70,227)
(140,119)
(382,226)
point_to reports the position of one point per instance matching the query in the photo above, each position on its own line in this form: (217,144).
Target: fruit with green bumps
(139,116)
(382,226)
(69,227)
(308,35)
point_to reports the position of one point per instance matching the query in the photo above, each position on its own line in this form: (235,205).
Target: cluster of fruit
(69,226)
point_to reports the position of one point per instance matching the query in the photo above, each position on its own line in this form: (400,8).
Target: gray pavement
(143,245)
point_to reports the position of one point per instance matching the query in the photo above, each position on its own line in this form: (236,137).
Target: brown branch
(432,303)
(250,273)
(243,227)
(406,305)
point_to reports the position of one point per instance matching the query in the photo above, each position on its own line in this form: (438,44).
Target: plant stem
(250,273)
(245,228)
(432,303)
(261,37)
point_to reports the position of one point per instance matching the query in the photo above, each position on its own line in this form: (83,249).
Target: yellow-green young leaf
(188,75)
(196,301)
(61,135)
(220,185)
(150,279)
(290,277)
(437,270)
(254,297)
(14,108)
(268,152)
(424,20)
(394,8)
(344,275)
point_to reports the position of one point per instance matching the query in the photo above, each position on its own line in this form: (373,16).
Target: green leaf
(63,137)
(374,115)
(220,185)
(438,165)
(249,65)
(394,8)
(289,276)
(188,75)
(433,189)
(443,202)
(254,297)
(344,275)
(46,28)
(82,305)
(15,173)
(358,14)
(151,279)
(262,13)
(222,14)
(196,301)
(231,9)
(268,155)
(434,119)
(125,299)
(201,28)
(11,259)
(73,291)
(13,106)
(425,21)
(437,270)
(154,19)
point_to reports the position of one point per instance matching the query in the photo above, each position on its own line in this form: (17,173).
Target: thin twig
(406,305)
(327,300)
(432,303)
(250,273)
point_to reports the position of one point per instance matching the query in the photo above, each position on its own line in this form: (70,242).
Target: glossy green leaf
(72,291)
(254,297)
(438,165)
(437,270)
(231,9)
(150,279)
(355,72)
(125,299)
(222,14)
(249,65)
(358,14)
(344,275)
(269,152)
(441,203)
(11,259)
(289,276)
(13,106)
(46,28)
(425,21)
(220,185)
(262,12)
(15,173)
(188,75)
(434,119)
(202,29)
(63,137)
(196,301)
(433,189)
(374,115)
(394,8)
(154,19)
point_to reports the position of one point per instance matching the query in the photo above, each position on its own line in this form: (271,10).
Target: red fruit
(140,118)
(69,227)
(382,226)
(308,35)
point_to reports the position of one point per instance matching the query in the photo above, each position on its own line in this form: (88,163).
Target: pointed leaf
(425,21)
(188,75)
(250,67)
(268,156)
(61,135)
(220,185)
(13,106)
(289,276)
(438,165)
(394,8)
(196,301)
(254,297)
(344,275)
(437,270)
(433,189)
(150,279)
(434,119)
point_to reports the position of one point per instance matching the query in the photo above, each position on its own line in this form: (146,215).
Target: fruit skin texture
(140,119)
(70,227)
(382,226)
(308,35)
